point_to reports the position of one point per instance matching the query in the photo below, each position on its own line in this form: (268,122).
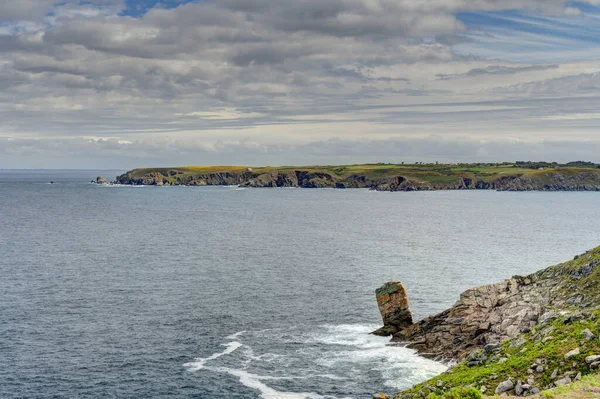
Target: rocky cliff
(522,335)
(394,178)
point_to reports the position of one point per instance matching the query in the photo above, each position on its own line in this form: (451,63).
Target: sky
(118,84)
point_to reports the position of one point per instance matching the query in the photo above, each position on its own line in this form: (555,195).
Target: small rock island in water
(518,176)
(522,336)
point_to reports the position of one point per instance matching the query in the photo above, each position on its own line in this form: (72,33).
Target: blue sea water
(214,292)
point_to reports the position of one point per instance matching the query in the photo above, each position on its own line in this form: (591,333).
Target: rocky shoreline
(551,180)
(520,336)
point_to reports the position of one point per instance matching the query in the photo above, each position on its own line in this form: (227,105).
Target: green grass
(430,175)
(578,389)
(518,359)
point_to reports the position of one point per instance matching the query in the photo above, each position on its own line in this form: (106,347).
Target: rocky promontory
(380,177)
(521,335)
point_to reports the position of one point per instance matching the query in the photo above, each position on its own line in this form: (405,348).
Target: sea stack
(394,308)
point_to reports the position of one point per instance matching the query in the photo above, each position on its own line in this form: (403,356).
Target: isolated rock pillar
(394,308)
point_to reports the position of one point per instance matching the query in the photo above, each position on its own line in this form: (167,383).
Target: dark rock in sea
(100,180)
(394,308)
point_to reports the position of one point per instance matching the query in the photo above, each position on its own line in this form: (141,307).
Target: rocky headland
(519,336)
(381,177)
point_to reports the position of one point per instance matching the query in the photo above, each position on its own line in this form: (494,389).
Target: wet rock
(394,308)
(570,354)
(504,386)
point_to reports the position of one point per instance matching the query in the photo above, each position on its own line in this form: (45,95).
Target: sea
(111,291)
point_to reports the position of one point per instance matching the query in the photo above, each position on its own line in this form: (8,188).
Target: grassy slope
(587,387)
(552,347)
(432,173)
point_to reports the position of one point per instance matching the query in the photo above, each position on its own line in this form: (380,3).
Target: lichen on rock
(394,308)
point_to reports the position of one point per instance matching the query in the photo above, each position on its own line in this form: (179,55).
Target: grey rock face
(587,334)
(519,388)
(504,386)
(592,359)
(572,353)
(487,315)
(563,381)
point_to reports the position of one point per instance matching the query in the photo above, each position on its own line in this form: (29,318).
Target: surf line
(198,363)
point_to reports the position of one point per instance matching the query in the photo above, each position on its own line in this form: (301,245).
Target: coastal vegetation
(537,336)
(517,176)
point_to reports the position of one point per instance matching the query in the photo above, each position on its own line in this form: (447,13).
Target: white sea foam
(199,362)
(235,336)
(255,382)
(335,352)
(400,367)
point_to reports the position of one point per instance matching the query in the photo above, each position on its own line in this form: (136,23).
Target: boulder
(504,386)
(101,180)
(519,388)
(572,353)
(563,381)
(592,359)
(394,308)
(380,396)
(587,334)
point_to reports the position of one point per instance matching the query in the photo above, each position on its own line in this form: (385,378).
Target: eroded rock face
(487,315)
(394,308)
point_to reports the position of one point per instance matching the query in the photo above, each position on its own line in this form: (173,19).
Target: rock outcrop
(100,180)
(566,179)
(491,314)
(394,308)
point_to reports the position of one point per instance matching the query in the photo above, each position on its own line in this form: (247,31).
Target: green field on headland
(517,176)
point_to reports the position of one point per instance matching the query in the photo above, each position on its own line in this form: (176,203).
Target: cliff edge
(380,177)
(520,336)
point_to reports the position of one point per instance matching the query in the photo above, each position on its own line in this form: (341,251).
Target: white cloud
(290,73)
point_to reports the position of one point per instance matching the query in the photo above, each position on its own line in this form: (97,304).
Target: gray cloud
(496,70)
(272,72)
(102,153)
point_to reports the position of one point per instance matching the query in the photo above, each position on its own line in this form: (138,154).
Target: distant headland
(506,176)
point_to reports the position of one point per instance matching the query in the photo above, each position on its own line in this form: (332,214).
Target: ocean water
(220,292)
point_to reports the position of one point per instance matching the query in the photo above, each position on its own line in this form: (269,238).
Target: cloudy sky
(128,83)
